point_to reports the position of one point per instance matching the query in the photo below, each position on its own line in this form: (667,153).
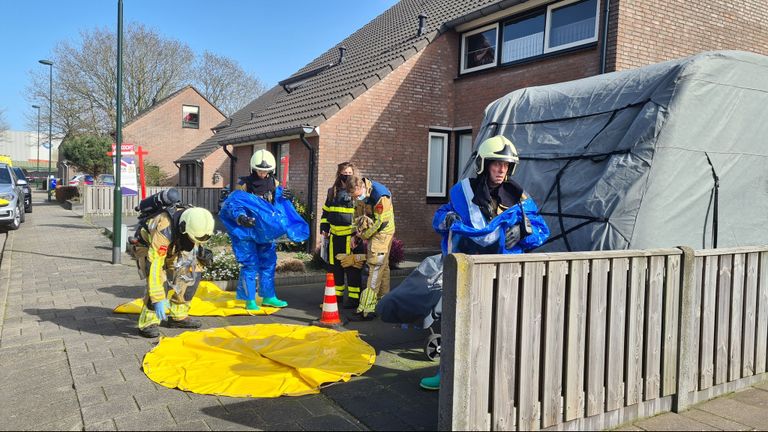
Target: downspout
(310,189)
(232,160)
(604,51)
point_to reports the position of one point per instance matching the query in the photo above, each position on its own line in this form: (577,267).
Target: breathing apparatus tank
(153,204)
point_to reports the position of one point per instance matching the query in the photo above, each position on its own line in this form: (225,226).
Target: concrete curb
(5,276)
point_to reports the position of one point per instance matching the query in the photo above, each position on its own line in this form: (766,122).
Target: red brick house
(174,126)
(404,96)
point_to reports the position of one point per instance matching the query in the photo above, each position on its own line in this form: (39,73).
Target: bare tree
(3,123)
(225,83)
(85,79)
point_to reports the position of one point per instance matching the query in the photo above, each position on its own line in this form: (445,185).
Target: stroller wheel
(432,347)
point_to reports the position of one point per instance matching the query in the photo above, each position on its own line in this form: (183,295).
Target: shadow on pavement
(128,292)
(74,226)
(90,319)
(381,399)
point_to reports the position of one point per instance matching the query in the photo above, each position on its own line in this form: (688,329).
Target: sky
(270,39)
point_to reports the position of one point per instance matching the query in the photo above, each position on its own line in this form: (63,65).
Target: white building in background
(21,146)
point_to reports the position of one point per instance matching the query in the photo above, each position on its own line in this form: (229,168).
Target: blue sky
(270,39)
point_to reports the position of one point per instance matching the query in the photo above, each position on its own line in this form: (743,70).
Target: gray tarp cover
(625,160)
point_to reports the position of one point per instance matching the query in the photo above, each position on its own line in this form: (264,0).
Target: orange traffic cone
(330,317)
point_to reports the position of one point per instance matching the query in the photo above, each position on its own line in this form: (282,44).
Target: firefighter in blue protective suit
(489,214)
(256,215)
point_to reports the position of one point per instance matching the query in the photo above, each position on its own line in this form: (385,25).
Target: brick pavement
(67,362)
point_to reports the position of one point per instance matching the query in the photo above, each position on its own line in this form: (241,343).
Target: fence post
(686,357)
(454,414)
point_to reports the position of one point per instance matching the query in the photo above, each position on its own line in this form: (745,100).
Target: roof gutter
(604,51)
(480,13)
(296,130)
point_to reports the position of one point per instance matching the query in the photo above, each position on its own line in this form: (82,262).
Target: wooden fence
(99,200)
(591,340)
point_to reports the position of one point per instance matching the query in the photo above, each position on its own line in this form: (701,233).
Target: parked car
(21,174)
(105,180)
(11,198)
(81,179)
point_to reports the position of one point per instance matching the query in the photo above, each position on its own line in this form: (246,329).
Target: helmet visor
(201,239)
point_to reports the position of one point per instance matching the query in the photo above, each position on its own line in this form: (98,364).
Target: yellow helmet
(197,223)
(496,148)
(263,160)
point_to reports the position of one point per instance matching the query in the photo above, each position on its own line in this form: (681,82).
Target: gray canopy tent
(666,155)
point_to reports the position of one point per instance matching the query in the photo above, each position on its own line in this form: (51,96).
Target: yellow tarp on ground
(260,360)
(209,300)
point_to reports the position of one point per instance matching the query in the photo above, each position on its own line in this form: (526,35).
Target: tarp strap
(558,119)
(715,194)
(588,220)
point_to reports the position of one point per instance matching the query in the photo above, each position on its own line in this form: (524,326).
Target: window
(559,26)
(523,38)
(478,48)
(282,158)
(190,116)
(437,162)
(571,23)
(463,151)
(189,175)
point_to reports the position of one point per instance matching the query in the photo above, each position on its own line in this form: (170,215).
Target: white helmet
(263,160)
(496,148)
(197,223)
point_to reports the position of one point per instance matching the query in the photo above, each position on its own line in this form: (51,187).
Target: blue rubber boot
(431,383)
(251,305)
(274,302)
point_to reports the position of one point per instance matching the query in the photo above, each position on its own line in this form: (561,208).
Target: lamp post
(37,173)
(50,122)
(117,213)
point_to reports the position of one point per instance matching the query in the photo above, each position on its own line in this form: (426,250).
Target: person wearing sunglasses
(174,244)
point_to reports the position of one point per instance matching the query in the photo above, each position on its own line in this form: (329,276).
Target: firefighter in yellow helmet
(170,252)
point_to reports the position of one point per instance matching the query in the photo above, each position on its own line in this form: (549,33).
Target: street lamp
(37,173)
(50,122)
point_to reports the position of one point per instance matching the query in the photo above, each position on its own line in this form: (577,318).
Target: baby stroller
(417,301)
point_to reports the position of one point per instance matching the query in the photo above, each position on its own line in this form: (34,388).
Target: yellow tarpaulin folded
(261,360)
(209,300)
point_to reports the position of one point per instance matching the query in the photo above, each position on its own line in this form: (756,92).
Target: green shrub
(64,193)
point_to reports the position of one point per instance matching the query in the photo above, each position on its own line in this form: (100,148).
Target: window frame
(548,23)
(443,165)
(462,61)
(457,134)
(517,18)
(190,125)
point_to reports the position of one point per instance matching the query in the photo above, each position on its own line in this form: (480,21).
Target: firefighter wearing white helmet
(258,260)
(489,214)
(172,253)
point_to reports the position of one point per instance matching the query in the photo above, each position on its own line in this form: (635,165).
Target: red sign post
(137,150)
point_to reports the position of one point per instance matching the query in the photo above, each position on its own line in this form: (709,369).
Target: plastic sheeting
(629,160)
(417,294)
(272,220)
(263,360)
(209,300)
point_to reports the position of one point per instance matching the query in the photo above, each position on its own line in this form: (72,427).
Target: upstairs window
(559,26)
(478,48)
(190,116)
(571,23)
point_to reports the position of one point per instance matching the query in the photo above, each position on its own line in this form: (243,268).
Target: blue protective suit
(254,247)
(487,235)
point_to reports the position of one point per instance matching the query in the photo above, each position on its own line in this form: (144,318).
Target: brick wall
(216,161)
(651,31)
(159,131)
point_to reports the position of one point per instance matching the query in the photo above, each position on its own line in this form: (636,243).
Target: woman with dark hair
(337,225)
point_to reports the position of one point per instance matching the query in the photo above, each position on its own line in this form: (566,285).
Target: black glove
(205,256)
(287,194)
(512,236)
(246,221)
(450,218)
